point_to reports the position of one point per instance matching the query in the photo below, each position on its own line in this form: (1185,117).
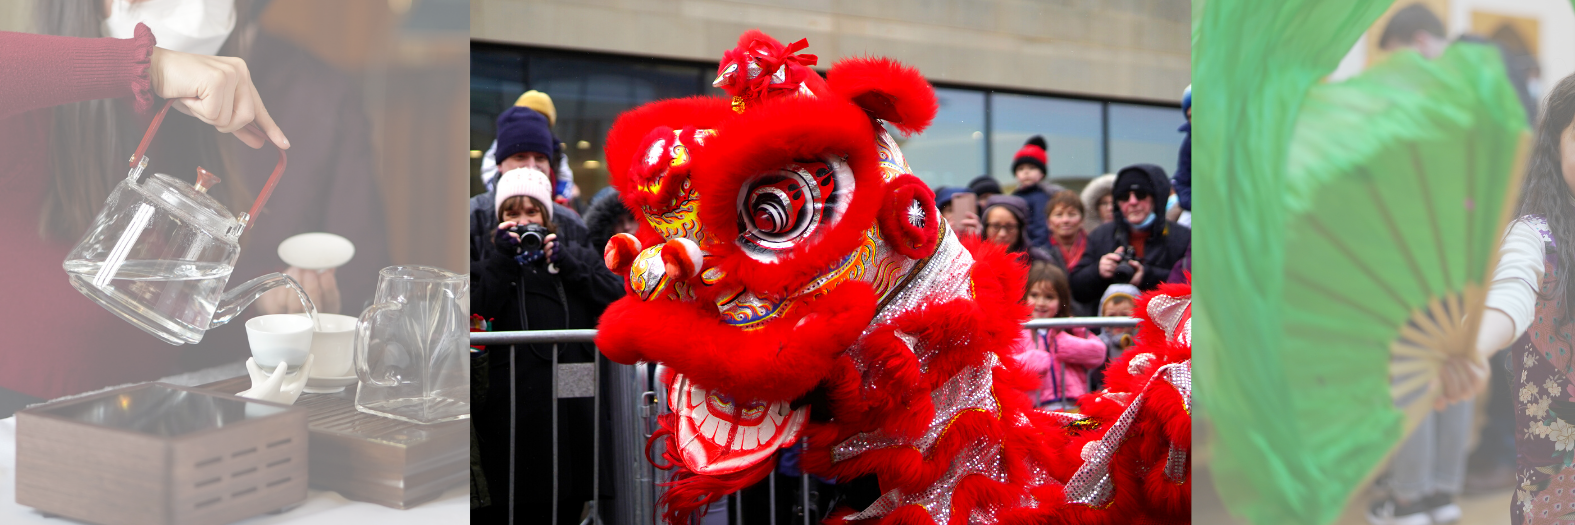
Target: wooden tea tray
(373,458)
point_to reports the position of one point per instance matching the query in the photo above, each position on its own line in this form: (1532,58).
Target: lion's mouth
(718,434)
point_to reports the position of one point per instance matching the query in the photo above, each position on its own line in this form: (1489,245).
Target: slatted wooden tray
(376,459)
(160,454)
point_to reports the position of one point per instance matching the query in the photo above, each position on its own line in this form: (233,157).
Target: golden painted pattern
(680,220)
(648,275)
(892,164)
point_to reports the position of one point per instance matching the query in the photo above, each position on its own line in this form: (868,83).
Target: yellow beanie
(541,103)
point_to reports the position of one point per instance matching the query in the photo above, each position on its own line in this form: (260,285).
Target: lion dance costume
(795,281)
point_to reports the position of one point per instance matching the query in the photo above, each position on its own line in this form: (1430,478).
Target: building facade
(1102,81)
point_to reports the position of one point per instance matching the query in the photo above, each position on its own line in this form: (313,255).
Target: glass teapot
(412,348)
(161,251)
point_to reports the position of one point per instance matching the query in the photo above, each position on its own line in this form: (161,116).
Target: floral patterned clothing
(1543,372)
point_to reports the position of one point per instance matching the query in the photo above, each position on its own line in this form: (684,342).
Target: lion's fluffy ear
(887,90)
(633,126)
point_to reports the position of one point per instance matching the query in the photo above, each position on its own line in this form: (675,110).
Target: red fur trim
(620,253)
(912,241)
(886,89)
(778,362)
(631,127)
(678,261)
(763,139)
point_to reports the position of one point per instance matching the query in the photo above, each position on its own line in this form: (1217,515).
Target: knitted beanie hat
(524,181)
(541,103)
(522,129)
(1034,153)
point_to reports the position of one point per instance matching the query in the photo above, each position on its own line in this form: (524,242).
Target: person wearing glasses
(1139,247)
(1006,224)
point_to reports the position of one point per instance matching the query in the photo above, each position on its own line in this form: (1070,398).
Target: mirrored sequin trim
(946,278)
(983,457)
(1091,484)
(1176,464)
(1166,311)
(1180,377)
(968,390)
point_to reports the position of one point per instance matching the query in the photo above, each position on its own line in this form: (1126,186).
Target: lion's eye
(782,207)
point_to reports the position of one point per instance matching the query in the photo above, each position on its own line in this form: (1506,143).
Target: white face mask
(188,26)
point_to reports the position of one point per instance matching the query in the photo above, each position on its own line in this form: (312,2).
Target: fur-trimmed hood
(1097,188)
(603,215)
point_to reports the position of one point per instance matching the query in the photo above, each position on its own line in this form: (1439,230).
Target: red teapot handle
(262,197)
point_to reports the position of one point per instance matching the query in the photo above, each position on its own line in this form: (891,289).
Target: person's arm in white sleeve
(1512,298)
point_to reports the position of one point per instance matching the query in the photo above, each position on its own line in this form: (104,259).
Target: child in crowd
(1118,301)
(1061,357)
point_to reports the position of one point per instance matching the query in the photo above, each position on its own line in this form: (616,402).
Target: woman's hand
(216,90)
(319,285)
(505,239)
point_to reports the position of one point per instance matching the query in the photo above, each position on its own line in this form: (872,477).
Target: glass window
(590,93)
(951,151)
(1145,134)
(1072,128)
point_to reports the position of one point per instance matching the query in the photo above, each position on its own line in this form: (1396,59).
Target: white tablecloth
(321,507)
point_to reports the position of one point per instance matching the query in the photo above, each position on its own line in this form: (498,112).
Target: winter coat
(1167,243)
(527,297)
(1095,190)
(1183,177)
(1038,196)
(1062,359)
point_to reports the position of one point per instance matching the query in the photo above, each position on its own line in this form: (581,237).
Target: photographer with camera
(1139,247)
(542,275)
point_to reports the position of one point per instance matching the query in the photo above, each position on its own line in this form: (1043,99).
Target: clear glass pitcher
(412,348)
(161,251)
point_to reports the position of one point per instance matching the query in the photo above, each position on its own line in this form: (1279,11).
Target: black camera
(1124,271)
(532,237)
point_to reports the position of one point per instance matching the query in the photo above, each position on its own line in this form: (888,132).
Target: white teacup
(332,344)
(277,338)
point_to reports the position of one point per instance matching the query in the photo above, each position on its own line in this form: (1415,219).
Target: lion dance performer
(794,281)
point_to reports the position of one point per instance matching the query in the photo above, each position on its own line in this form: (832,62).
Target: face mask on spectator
(188,26)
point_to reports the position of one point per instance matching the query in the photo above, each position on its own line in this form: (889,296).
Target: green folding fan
(1399,185)
(1395,190)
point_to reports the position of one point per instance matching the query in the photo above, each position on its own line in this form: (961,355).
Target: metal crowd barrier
(636,399)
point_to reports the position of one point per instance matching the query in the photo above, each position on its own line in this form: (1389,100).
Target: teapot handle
(139,161)
(363,343)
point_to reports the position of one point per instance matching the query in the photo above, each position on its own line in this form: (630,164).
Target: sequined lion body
(796,283)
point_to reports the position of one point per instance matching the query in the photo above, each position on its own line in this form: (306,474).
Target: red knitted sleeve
(40,71)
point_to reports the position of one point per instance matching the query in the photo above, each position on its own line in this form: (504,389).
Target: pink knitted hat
(528,182)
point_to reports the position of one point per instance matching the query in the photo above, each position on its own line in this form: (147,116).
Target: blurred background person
(554,285)
(1182,179)
(1005,223)
(1062,358)
(525,140)
(1064,218)
(985,187)
(1098,202)
(1139,247)
(1031,165)
(962,222)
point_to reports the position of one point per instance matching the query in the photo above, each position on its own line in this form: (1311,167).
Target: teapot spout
(237,299)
